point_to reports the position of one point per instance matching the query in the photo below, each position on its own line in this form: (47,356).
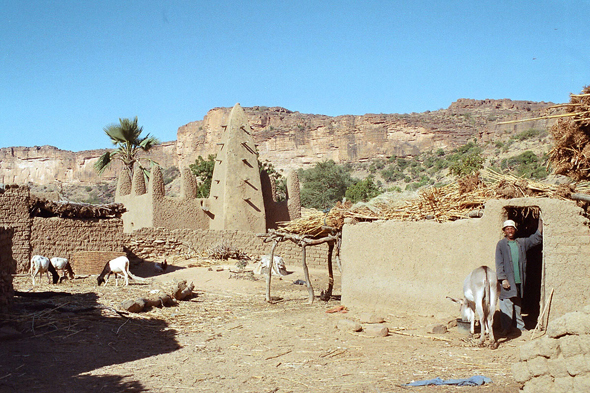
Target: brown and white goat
(40,265)
(481,290)
(117,266)
(63,265)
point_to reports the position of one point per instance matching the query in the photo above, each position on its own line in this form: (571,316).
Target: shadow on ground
(51,339)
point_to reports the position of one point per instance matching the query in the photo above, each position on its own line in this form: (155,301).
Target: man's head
(509,228)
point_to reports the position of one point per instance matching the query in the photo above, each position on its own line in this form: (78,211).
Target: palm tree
(126,135)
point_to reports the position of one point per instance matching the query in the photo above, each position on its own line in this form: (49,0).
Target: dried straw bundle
(451,202)
(571,154)
(318,224)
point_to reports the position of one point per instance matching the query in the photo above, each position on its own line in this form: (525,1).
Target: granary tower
(236,200)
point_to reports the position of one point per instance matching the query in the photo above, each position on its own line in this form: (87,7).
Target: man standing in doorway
(511,271)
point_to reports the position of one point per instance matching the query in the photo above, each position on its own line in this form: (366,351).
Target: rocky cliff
(292,140)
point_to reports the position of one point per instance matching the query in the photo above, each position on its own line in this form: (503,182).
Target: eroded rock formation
(292,140)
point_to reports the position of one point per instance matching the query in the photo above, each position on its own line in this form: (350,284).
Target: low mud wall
(560,360)
(414,266)
(6,267)
(14,213)
(63,237)
(156,243)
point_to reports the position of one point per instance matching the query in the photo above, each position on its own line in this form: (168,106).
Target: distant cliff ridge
(292,140)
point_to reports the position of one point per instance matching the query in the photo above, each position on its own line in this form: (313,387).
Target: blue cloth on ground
(476,380)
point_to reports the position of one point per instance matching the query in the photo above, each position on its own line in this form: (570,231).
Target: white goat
(481,290)
(119,265)
(64,265)
(40,265)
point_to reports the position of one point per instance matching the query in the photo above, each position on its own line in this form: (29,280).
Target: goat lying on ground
(64,265)
(481,290)
(117,266)
(40,265)
(161,267)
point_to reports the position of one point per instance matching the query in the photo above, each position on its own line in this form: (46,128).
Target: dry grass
(451,202)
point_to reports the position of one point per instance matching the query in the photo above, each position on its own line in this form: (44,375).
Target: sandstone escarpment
(292,140)
(48,164)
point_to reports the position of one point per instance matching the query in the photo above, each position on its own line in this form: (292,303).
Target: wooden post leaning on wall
(270,266)
(327,294)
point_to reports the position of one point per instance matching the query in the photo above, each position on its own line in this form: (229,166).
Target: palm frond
(148,142)
(104,162)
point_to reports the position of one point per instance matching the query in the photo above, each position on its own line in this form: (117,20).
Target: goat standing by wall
(40,265)
(117,266)
(64,265)
(481,290)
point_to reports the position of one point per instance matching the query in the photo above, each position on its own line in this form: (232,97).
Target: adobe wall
(149,207)
(558,361)
(7,267)
(155,243)
(63,237)
(14,213)
(413,266)
(181,213)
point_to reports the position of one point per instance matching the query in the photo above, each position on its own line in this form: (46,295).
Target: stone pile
(560,360)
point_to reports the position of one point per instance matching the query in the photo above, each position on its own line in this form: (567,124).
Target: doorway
(527,220)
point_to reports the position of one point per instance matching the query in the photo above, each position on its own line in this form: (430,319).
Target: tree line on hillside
(328,182)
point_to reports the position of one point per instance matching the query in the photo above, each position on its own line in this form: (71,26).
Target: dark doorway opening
(527,220)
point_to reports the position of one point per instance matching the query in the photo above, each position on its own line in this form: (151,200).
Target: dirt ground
(226,338)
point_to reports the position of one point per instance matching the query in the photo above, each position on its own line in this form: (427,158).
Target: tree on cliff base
(127,137)
(324,184)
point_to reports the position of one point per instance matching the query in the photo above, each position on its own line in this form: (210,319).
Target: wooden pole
(328,294)
(581,197)
(541,324)
(306,272)
(541,118)
(338,244)
(270,265)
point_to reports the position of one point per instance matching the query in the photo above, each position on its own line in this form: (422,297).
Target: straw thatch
(571,154)
(41,207)
(452,202)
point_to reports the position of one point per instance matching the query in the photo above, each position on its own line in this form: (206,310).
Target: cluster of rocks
(166,297)
(369,324)
(560,360)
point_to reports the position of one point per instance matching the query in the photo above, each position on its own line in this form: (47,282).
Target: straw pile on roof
(571,154)
(451,202)
(41,207)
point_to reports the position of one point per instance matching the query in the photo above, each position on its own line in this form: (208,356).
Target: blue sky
(69,68)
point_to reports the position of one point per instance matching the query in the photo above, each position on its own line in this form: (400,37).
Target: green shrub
(324,184)
(203,170)
(526,165)
(529,134)
(363,190)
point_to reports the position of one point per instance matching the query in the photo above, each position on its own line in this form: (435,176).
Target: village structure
(385,264)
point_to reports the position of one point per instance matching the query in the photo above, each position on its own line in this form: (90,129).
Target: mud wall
(6,267)
(156,243)
(558,361)
(413,266)
(63,237)
(14,213)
